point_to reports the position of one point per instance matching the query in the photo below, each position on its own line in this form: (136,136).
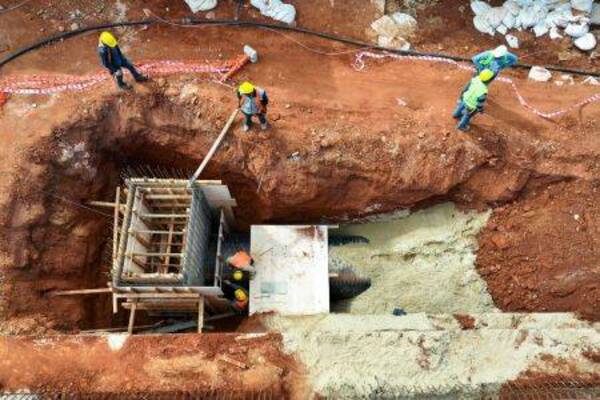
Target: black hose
(251,24)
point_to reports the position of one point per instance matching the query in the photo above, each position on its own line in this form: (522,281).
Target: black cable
(251,24)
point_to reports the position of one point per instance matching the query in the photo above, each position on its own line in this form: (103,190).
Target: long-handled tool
(214,147)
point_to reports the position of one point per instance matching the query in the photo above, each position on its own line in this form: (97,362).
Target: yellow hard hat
(486,75)
(246,88)
(240,295)
(108,39)
(238,275)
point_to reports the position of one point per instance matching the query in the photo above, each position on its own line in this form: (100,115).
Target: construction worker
(253,101)
(472,98)
(113,60)
(495,60)
(242,261)
(237,294)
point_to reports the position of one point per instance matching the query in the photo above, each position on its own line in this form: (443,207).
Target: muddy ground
(343,144)
(356,150)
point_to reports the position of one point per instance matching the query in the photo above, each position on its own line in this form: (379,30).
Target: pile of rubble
(557,18)
(393,31)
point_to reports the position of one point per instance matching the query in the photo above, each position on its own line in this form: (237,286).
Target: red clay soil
(466,321)
(356,148)
(150,364)
(541,253)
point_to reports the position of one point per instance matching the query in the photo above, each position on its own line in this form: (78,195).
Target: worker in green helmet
(473,98)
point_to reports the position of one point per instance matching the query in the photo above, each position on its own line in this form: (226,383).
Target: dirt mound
(541,253)
(202,364)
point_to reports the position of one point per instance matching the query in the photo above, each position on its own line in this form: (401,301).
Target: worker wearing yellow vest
(472,98)
(113,60)
(253,101)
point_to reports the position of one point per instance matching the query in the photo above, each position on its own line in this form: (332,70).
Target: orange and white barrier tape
(359,65)
(49,84)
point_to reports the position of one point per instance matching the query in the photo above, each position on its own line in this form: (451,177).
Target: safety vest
(474,92)
(252,104)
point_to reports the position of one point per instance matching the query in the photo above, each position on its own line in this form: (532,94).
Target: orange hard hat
(240,259)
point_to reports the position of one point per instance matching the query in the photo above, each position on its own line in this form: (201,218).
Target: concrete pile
(395,30)
(556,18)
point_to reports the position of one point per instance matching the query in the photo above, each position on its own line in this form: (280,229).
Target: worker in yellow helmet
(253,101)
(473,98)
(237,293)
(113,60)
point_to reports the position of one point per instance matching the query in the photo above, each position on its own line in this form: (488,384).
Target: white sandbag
(386,26)
(276,9)
(512,7)
(201,5)
(586,42)
(495,15)
(480,7)
(555,34)
(398,43)
(595,17)
(502,29)
(528,17)
(540,29)
(582,5)
(509,21)
(406,24)
(577,30)
(481,24)
(512,41)
(539,74)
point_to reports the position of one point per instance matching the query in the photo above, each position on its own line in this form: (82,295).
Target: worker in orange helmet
(242,261)
(253,101)
(237,293)
(113,60)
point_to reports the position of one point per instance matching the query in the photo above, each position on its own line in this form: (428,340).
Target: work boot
(140,78)
(121,84)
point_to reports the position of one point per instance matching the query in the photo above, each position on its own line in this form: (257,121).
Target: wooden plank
(169,196)
(154,232)
(214,147)
(116,225)
(79,292)
(168,246)
(167,306)
(200,314)
(162,216)
(131,318)
(177,255)
(123,238)
(152,290)
(232,361)
(158,295)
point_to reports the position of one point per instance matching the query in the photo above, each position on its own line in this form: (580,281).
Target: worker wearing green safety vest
(472,98)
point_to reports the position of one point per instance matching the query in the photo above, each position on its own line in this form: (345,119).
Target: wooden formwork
(151,244)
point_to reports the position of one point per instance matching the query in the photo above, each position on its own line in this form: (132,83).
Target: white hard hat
(500,51)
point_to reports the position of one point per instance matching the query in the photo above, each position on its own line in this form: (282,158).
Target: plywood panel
(292,276)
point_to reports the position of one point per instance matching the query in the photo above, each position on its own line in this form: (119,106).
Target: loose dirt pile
(432,356)
(201,364)
(542,253)
(424,262)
